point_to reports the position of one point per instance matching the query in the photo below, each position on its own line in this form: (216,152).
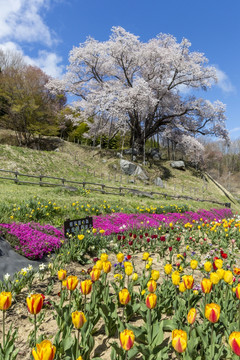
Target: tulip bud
(218,263)
(124,296)
(78,319)
(179,340)
(135,277)
(188,281)
(234,342)
(127,339)
(191,317)
(72,282)
(206,285)
(220,273)
(212,312)
(151,300)
(35,303)
(45,350)
(5,300)
(62,275)
(238,291)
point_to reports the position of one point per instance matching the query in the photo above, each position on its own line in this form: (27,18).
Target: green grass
(80,162)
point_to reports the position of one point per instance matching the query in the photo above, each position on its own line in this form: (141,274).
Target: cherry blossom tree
(143,85)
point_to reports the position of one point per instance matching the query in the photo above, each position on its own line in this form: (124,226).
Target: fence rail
(122,191)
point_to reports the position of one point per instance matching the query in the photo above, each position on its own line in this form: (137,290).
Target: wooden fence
(62,182)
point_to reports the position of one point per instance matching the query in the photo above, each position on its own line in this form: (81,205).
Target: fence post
(83,184)
(103,186)
(63,181)
(40,180)
(16,177)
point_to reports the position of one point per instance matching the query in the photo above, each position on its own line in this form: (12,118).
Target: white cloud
(20,20)
(49,62)
(224,82)
(237,129)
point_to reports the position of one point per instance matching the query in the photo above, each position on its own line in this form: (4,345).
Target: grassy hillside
(80,163)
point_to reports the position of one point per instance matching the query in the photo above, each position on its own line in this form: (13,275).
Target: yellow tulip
(104,257)
(124,296)
(155,275)
(78,319)
(179,340)
(220,273)
(62,274)
(212,312)
(5,300)
(218,263)
(182,287)
(206,285)
(175,278)
(214,278)
(238,291)
(99,265)
(129,270)
(208,266)
(194,264)
(127,339)
(80,237)
(135,277)
(95,274)
(45,351)
(168,269)
(145,256)
(228,277)
(107,266)
(120,257)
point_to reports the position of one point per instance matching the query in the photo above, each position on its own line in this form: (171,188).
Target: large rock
(178,165)
(155,154)
(130,151)
(158,182)
(127,167)
(132,169)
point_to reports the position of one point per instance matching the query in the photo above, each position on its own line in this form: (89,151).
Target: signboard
(78,225)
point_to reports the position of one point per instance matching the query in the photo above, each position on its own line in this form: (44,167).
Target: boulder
(158,182)
(127,167)
(132,169)
(130,151)
(154,154)
(180,165)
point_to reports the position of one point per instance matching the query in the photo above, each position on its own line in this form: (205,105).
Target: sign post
(75,226)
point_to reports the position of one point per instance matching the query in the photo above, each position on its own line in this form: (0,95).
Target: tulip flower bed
(167,291)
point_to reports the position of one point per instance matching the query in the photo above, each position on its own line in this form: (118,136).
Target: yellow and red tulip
(188,281)
(206,285)
(95,274)
(127,339)
(72,282)
(212,312)
(152,286)
(78,319)
(62,274)
(86,287)
(5,300)
(151,300)
(234,342)
(35,303)
(191,317)
(45,351)
(124,296)
(179,340)
(107,266)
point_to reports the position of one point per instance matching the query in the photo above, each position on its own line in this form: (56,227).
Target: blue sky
(44,31)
